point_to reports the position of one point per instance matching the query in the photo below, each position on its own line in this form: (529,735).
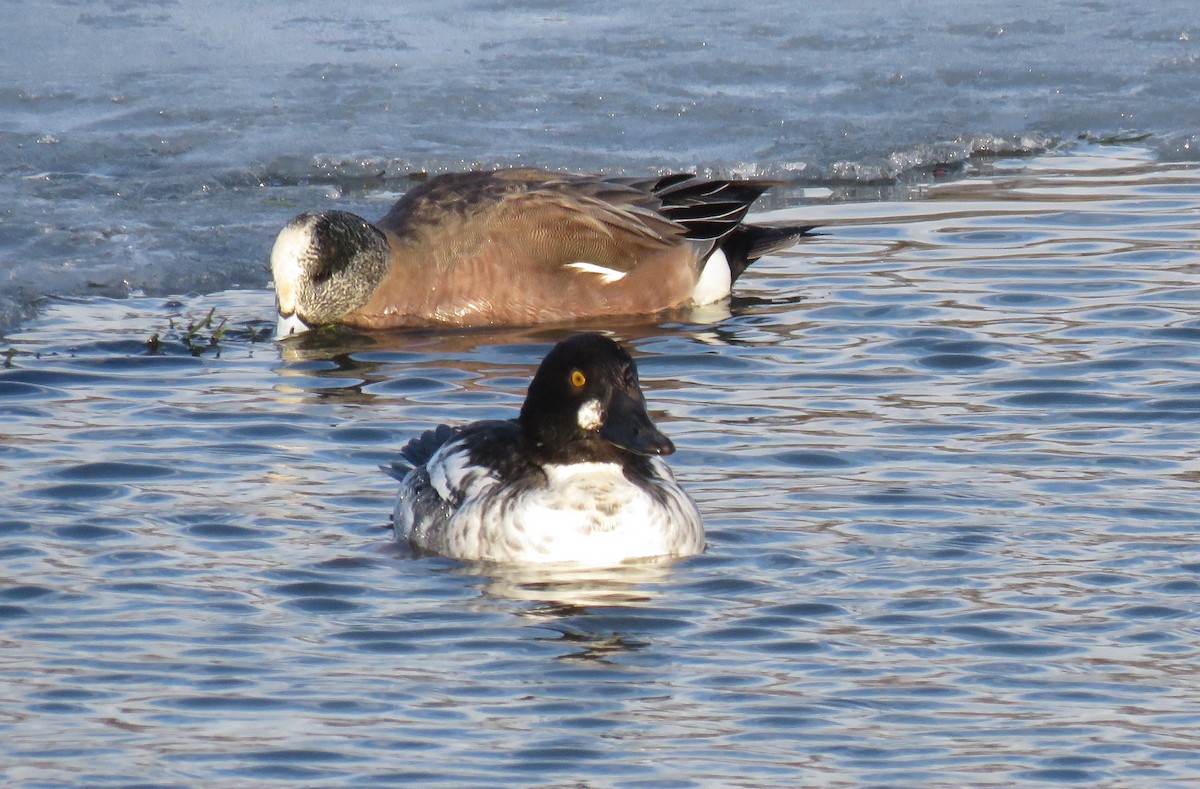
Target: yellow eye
(577,378)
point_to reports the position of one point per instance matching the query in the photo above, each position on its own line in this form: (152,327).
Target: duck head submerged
(325,265)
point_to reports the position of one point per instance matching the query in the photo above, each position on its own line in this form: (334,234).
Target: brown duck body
(529,246)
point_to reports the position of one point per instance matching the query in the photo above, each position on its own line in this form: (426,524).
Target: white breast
(591,513)
(587,513)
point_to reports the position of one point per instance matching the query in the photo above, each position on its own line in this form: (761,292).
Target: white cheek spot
(591,415)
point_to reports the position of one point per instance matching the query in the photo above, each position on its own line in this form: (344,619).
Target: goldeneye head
(584,399)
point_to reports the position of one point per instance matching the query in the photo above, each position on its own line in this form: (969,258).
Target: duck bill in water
(289,325)
(628,426)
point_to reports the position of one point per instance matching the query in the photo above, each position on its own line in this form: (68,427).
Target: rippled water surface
(947,455)
(155,146)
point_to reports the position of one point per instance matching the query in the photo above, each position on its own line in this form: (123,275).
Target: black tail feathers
(747,243)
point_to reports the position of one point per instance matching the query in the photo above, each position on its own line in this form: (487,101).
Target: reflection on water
(563,588)
(946,454)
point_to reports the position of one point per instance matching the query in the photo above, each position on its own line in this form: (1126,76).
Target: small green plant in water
(193,337)
(208,333)
(195,327)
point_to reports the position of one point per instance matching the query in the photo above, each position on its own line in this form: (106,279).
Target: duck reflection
(598,647)
(595,614)
(346,365)
(560,589)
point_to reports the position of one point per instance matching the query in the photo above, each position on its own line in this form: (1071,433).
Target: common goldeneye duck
(521,246)
(577,477)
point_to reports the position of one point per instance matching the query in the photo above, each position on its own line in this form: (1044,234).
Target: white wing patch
(451,473)
(606,275)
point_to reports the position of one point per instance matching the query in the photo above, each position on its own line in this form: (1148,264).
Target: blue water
(946,451)
(946,455)
(155,147)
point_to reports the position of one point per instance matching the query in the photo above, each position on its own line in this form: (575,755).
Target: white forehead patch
(292,246)
(591,415)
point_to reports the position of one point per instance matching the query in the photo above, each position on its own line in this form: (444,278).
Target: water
(164,161)
(946,452)
(946,455)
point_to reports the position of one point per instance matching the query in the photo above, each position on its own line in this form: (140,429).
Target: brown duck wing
(548,219)
(532,220)
(531,246)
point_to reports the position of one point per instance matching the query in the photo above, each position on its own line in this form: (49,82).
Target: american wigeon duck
(520,247)
(577,477)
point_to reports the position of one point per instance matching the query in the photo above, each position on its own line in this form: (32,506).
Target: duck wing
(552,220)
(418,451)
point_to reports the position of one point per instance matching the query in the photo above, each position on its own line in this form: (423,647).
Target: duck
(576,478)
(521,246)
